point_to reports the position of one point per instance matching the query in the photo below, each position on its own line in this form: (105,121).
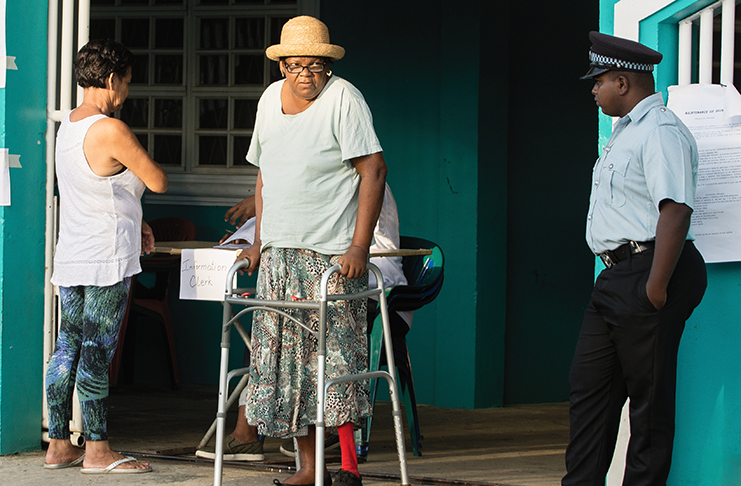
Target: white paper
(244,232)
(203,273)
(9,160)
(713,114)
(4,177)
(4,186)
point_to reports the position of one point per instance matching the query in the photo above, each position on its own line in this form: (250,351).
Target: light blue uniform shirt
(651,156)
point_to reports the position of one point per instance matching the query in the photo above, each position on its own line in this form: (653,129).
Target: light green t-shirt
(310,187)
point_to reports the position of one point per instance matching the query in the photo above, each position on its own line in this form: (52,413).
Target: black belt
(611,257)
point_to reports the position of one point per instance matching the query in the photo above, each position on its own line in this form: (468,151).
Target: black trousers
(628,349)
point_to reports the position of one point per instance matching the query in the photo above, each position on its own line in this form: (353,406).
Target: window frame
(191,183)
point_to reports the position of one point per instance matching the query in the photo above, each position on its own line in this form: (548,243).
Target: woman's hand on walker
(353,262)
(253,254)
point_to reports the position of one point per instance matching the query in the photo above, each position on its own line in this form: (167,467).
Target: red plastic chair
(151,301)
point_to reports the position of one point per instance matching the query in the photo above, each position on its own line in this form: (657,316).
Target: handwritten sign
(203,273)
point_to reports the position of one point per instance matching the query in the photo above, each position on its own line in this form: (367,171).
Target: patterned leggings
(88,335)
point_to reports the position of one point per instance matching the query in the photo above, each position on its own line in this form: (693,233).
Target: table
(176,248)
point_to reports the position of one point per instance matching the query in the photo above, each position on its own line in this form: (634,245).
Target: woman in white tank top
(102,171)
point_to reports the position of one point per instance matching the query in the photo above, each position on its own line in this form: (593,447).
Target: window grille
(200,68)
(707,43)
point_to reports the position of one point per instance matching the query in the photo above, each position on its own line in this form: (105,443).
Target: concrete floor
(513,446)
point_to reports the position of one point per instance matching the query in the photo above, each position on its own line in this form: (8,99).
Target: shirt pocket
(616,170)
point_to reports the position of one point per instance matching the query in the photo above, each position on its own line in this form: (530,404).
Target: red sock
(347,444)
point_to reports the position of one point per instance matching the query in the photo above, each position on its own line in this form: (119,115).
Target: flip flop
(63,465)
(111,469)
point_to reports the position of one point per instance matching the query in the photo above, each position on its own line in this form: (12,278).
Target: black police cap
(610,53)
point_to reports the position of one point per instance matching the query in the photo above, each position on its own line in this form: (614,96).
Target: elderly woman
(318,196)
(102,171)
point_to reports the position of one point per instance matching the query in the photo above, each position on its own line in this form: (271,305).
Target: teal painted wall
(23,122)
(707,445)
(458,189)
(424,98)
(552,125)
(492,206)
(504,327)
(708,420)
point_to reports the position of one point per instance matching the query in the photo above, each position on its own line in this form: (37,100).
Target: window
(199,69)
(707,45)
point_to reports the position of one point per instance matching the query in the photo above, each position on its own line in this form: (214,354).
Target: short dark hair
(98,59)
(642,80)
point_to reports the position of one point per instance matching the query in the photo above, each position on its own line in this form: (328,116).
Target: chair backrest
(424,275)
(173,229)
(164,229)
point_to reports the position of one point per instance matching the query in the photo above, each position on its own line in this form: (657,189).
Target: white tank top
(100,217)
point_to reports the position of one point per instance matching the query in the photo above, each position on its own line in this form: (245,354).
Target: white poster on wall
(713,114)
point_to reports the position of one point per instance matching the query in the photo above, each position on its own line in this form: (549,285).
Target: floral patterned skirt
(282,389)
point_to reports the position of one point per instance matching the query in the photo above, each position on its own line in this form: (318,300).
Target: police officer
(639,225)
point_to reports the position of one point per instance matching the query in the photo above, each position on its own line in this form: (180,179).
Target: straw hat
(304,36)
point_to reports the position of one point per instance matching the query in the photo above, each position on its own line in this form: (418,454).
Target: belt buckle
(607,259)
(635,247)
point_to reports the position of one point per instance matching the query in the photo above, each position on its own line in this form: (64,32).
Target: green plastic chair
(424,280)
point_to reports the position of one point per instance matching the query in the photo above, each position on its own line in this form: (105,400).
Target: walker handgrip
(336,268)
(239,265)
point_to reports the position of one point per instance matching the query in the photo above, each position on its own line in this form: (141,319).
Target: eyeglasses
(296,68)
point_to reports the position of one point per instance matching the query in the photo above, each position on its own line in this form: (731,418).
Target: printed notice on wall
(713,114)
(203,273)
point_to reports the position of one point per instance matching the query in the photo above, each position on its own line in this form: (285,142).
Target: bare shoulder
(109,127)
(109,146)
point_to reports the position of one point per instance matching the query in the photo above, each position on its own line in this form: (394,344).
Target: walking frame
(233,296)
